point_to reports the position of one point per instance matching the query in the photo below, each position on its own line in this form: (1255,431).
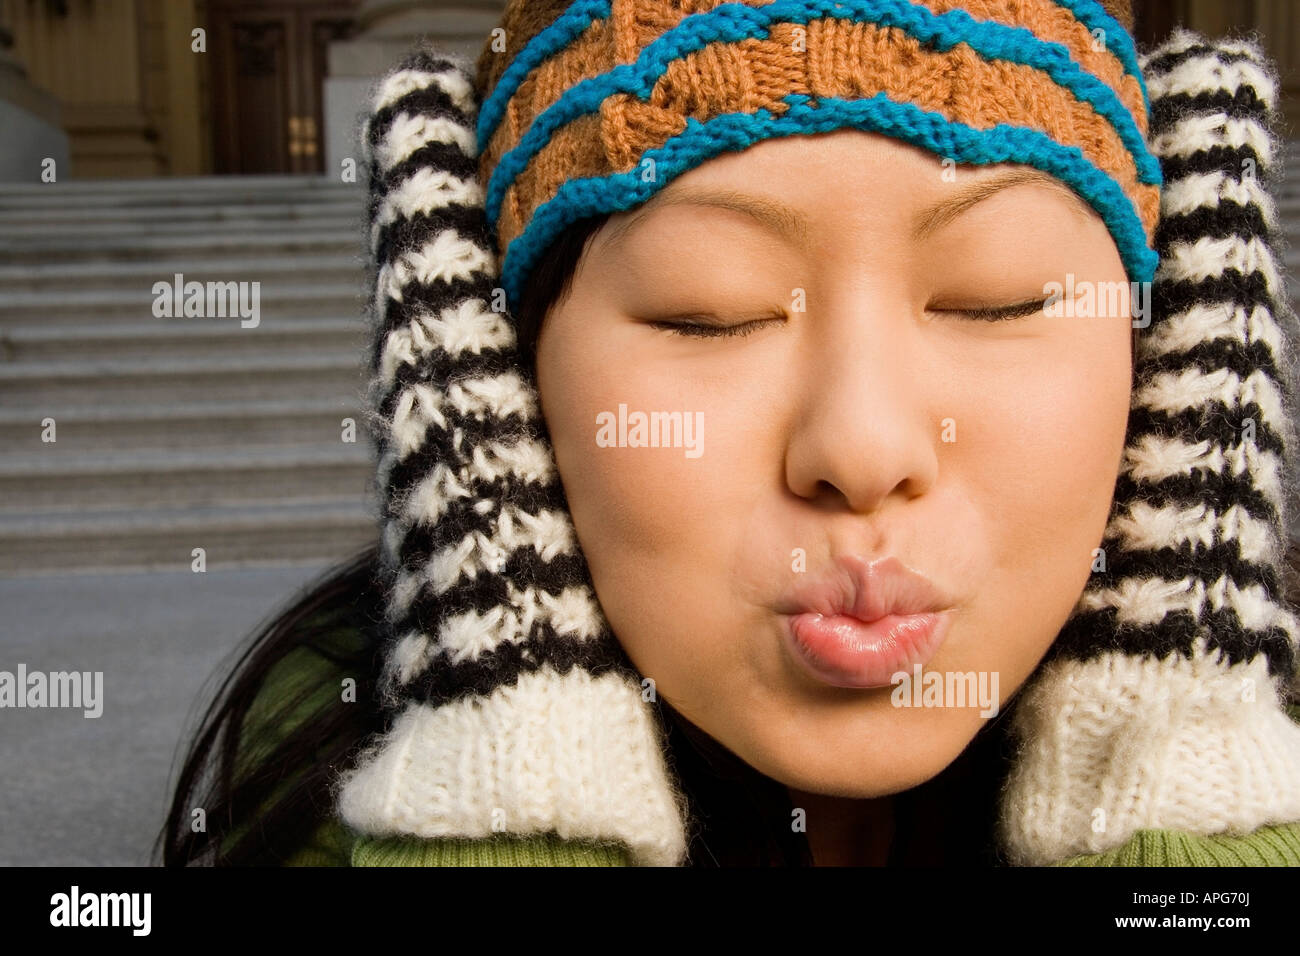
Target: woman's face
(866,412)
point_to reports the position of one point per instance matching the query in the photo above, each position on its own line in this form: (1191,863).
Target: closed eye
(707,326)
(1001,313)
(711,328)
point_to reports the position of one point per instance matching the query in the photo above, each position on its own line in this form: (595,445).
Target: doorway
(269,63)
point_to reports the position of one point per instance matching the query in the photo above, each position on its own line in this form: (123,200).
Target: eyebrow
(796,228)
(934,218)
(773,215)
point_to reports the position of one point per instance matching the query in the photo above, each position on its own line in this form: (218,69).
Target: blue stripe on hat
(732,22)
(1094,16)
(566,28)
(589,196)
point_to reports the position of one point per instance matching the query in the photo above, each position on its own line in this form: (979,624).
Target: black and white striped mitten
(515,709)
(1162,703)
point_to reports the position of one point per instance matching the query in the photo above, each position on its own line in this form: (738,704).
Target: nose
(865,429)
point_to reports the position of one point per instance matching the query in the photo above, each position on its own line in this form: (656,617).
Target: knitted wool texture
(514,708)
(599,109)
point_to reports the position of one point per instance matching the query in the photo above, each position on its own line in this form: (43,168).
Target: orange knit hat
(592,106)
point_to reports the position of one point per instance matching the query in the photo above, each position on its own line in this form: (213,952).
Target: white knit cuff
(1120,744)
(574,754)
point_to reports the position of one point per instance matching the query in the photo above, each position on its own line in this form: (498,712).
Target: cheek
(644,515)
(626,501)
(1044,455)
(661,529)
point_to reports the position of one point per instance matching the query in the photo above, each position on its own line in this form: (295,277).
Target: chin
(883,752)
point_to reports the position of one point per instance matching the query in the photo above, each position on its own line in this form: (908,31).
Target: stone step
(173,478)
(179,426)
(167,248)
(161,338)
(87,276)
(42,274)
(342,296)
(158,538)
(134,220)
(44,385)
(180,190)
(345,209)
(14,235)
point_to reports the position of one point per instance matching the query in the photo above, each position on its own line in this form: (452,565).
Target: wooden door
(268,67)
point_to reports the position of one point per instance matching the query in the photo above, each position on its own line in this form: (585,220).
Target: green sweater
(335,844)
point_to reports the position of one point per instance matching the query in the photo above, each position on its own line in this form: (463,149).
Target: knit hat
(600,109)
(513,707)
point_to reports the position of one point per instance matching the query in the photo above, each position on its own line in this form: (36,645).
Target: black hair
(222,813)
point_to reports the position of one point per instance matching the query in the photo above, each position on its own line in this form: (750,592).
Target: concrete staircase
(176,433)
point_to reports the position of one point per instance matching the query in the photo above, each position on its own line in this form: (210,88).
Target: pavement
(92,791)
